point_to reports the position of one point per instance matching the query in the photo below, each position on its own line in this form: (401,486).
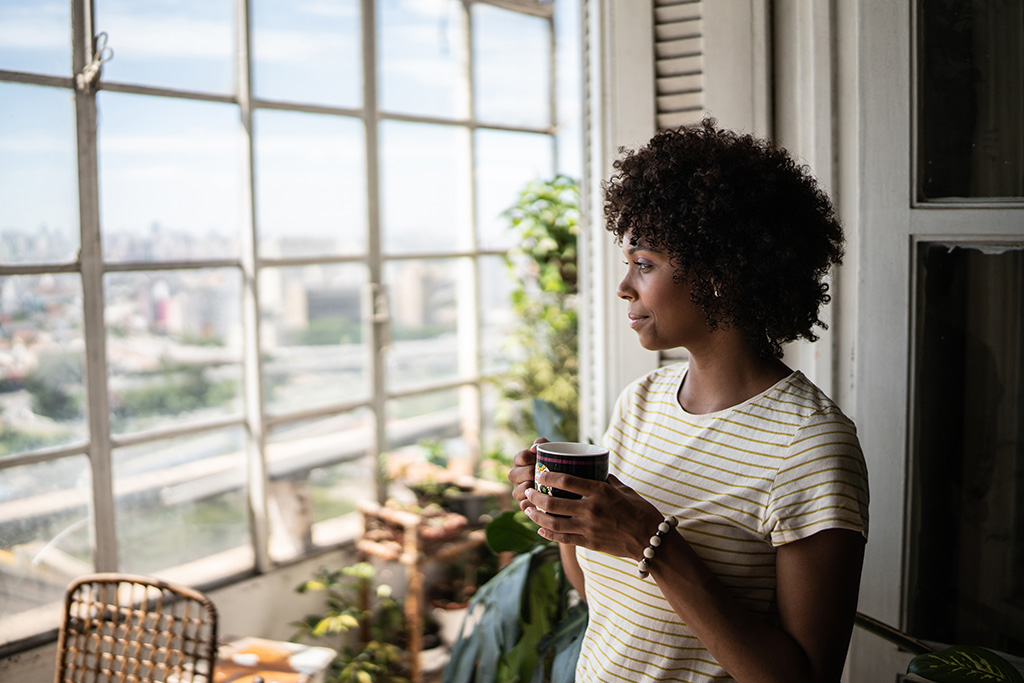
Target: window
(971,104)
(244,262)
(967,483)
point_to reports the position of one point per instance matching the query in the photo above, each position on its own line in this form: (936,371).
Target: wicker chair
(135,629)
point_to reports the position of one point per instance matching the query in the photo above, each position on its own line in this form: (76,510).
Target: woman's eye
(643,267)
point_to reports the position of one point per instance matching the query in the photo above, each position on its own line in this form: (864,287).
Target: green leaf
(512,532)
(964,663)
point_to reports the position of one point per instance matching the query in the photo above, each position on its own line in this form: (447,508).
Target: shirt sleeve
(822,482)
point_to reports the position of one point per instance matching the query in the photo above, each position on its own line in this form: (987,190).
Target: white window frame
(255,420)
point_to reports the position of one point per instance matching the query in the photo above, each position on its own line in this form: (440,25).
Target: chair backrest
(135,629)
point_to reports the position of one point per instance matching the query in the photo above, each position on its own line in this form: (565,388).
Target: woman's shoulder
(806,403)
(664,378)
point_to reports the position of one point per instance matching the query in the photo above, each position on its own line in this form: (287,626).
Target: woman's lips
(637,320)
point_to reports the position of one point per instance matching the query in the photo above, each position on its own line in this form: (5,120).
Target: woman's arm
(572,569)
(817,583)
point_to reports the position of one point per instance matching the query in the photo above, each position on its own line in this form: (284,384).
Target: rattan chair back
(135,629)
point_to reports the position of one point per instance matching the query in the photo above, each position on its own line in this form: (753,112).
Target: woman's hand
(609,518)
(521,474)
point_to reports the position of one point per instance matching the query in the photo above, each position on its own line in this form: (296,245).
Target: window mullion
(91,261)
(256,466)
(377,320)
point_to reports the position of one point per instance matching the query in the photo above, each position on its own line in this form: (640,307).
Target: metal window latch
(86,81)
(378,311)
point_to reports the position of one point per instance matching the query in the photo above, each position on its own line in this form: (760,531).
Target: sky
(179,163)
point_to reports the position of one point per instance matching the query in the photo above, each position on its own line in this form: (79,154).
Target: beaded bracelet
(642,567)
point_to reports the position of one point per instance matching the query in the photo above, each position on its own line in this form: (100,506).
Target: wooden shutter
(678,63)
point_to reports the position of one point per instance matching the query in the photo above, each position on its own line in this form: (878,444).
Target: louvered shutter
(678,62)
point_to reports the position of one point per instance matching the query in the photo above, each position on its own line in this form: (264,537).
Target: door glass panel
(314,350)
(35,37)
(46,531)
(416,425)
(967,487)
(422,58)
(170,178)
(182,502)
(307,52)
(424,320)
(186,44)
(425,187)
(511,67)
(319,471)
(310,184)
(971,106)
(42,363)
(505,162)
(174,342)
(38,174)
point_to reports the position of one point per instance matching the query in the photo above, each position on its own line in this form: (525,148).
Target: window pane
(425,187)
(505,163)
(307,52)
(173,347)
(413,420)
(967,486)
(971,107)
(511,67)
(182,501)
(38,174)
(186,44)
(42,387)
(35,36)
(170,182)
(422,58)
(44,524)
(424,321)
(497,319)
(319,470)
(310,184)
(314,352)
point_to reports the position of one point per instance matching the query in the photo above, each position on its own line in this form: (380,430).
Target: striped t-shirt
(771,470)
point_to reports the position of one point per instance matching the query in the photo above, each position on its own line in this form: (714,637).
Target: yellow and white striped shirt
(774,469)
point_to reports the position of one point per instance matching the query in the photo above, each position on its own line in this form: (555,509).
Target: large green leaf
(964,664)
(513,532)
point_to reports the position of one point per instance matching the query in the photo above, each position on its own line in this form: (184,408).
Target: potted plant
(542,385)
(362,621)
(526,626)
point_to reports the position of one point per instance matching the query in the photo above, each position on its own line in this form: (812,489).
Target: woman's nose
(625,290)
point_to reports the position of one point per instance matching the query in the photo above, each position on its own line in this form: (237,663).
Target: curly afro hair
(744,225)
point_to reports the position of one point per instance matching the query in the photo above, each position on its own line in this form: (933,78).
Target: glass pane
(174,342)
(422,57)
(182,501)
(314,352)
(511,67)
(170,178)
(424,321)
(415,422)
(505,163)
(319,470)
(967,486)
(425,187)
(500,443)
(46,542)
(42,363)
(38,174)
(971,106)
(310,184)
(185,44)
(307,52)
(497,322)
(35,36)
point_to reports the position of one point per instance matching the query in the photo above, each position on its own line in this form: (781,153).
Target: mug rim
(571,449)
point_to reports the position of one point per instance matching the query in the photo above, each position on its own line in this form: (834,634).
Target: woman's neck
(725,373)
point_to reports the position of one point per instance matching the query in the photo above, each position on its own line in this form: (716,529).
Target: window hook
(86,80)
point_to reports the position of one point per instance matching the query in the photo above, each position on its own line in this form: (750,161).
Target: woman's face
(660,309)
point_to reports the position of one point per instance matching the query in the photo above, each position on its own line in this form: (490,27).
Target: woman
(726,241)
